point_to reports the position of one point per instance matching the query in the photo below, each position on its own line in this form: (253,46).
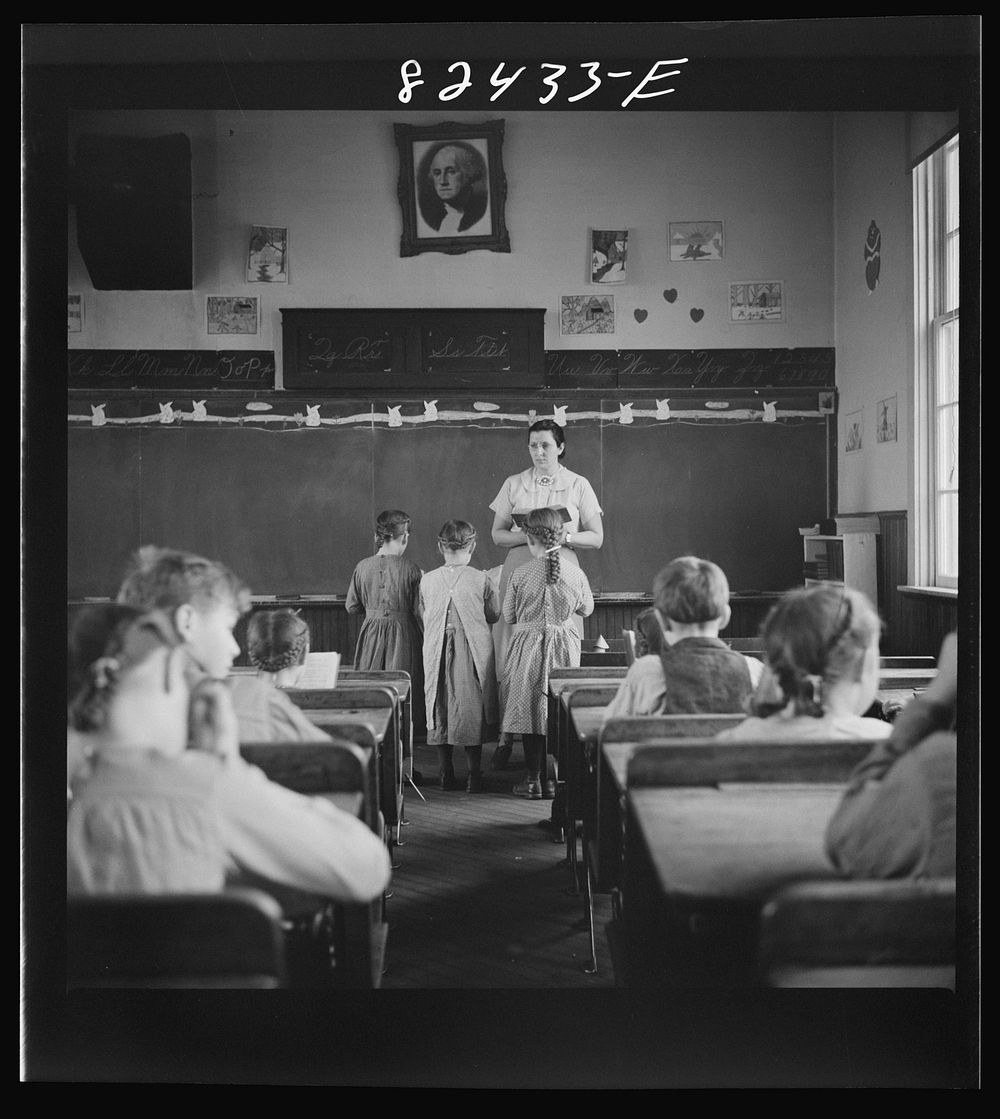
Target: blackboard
(292,510)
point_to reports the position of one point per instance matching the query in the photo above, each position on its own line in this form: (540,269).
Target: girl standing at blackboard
(459,604)
(386,588)
(542,597)
(547,483)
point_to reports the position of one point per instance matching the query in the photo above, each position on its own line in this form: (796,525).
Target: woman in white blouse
(545,483)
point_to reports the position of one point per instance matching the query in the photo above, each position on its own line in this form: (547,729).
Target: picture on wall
(74,322)
(267,260)
(853,431)
(608,255)
(756,301)
(587,314)
(229,314)
(452,188)
(695,240)
(885,427)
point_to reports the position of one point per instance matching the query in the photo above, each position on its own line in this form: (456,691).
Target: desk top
(353,678)
(339,720)
(904,678)
(736,843)
(587,722)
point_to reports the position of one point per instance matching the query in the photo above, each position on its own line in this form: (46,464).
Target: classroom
(725,288)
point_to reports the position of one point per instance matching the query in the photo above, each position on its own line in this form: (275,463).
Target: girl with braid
(459,605)
(542,597)
(277,644)
(385,588)
(821,649)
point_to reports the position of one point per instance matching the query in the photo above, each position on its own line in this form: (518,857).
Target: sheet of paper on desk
(320,671)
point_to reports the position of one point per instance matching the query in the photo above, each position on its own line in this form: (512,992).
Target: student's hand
(213,725)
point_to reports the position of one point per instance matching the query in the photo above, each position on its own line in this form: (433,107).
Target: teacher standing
(546,482)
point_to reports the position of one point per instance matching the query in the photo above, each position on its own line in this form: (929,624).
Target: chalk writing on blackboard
(696,369)
(355,352)
(154,368)
(488,347)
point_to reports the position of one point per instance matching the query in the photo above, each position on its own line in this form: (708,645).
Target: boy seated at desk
(204,600)
(695,671)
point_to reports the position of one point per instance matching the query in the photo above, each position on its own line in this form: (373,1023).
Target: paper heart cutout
(697,314)
(640,314)
(670,294)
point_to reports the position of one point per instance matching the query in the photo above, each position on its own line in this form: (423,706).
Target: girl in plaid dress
(542,597)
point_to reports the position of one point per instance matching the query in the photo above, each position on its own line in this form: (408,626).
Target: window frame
(936,276)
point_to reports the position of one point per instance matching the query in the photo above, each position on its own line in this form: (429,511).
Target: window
(936,255)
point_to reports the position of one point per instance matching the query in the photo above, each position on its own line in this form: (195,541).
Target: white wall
(331,176)
(874,330)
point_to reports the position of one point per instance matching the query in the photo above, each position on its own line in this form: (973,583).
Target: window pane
(947,448)
(951,187)
(949,297)
(946,365)
(947,535)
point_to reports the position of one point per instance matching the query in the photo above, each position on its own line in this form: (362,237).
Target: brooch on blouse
(544,480)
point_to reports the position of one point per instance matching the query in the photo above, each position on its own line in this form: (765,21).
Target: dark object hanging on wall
(133,211)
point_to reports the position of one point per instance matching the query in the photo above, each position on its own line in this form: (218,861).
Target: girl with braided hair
(459,604)
(385,588)
(542,597)
(277,644)
(821,650)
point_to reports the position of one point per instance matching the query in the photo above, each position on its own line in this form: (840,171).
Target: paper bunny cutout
(663,409)
(559,414)
(97,416)
(312,415)
(395,419)
(430,410)
(769,413)
(199,412)
(626,416)
(167,413)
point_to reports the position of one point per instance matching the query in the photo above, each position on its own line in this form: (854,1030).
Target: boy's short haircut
(691,591)
(164,578)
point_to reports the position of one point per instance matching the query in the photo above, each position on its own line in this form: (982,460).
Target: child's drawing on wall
(267,260)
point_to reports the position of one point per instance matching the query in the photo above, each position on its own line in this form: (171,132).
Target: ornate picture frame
(452,188)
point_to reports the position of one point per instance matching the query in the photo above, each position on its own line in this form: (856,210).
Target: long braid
(546,527)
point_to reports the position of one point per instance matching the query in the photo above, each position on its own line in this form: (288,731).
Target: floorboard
(482,896)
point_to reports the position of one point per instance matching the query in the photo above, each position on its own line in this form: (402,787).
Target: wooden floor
(482,895)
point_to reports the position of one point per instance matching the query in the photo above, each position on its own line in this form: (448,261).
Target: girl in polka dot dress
(541,599)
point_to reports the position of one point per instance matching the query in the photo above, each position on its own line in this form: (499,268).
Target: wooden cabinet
(848,560)
(391,348)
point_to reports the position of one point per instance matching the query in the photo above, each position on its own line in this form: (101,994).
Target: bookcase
(848,560)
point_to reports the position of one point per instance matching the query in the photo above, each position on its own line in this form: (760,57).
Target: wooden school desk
(343,944)
(602,854)
(356,722)
(700,861)
(581,712)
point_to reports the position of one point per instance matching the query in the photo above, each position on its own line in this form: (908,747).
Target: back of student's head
(816,636)
(391,524)
(456,536)
(277,639)
(691,591)
(106,641)
(545,527)
(165,578)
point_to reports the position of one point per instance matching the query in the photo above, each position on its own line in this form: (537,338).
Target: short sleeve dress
(521,493)
(543,637)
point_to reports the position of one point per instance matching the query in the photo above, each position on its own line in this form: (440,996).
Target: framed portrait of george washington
(452,188)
